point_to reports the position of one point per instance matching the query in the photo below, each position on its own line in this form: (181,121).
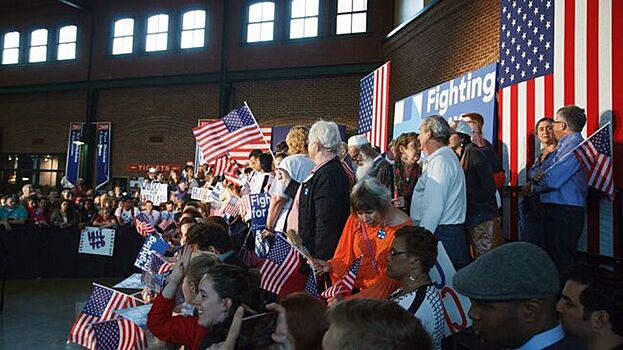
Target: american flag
(239,154)
(158,265)
(552,54)
(232,206)
(119,334)
(280,263)
(167,224)
(311,286)
(374,106)
(224,165)
(220,136)
(143,225)
(596,159)
(245,205)
(344,284)
(100,307)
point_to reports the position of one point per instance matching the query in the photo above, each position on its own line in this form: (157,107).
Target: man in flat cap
(369,161)
(513,290)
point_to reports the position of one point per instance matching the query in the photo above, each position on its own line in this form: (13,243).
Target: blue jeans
(453,239)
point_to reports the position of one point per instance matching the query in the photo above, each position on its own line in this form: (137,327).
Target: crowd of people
(346,202)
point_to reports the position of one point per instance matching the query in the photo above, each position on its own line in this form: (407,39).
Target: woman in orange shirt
(369,232)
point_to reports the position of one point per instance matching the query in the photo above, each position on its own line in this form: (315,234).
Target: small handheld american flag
(595,156)
(119,334)
(281,261)
(346,283)
(143,225)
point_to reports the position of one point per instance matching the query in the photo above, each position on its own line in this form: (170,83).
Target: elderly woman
(412,256)
(321,200)
(532,231)
(222,290)
(406,169)
(298,166)
(369,232)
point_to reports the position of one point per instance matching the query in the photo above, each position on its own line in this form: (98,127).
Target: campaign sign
(455,305)
(156,192)
(152,243)
(103,154)
(132,282)
(136,315)
(97,241)
(74,149)
(259,210)
(472,92)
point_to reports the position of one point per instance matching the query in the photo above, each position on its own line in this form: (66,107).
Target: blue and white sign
(152,243)
(259,210)
(97,241)
(473,92)
(74,150)
(103,154)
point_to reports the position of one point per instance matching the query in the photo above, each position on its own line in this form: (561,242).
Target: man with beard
(369,161)
(513,290)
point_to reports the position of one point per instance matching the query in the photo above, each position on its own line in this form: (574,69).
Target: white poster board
(156,192)
(97,241)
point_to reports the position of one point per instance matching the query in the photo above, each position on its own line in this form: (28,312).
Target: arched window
(193,29)
(261,22)
(38,46)
(123,37)
(303,19)
(351,16)
(10,48)
(67,37)
(157,33)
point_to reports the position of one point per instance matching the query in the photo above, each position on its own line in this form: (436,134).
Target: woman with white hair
(368,233)
(320,200)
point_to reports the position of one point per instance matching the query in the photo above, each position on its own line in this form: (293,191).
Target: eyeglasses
(395,253)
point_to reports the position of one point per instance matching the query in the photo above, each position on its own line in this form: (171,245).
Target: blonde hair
(297,140)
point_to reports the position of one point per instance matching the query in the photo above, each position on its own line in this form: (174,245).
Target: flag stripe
(569,57)
(559,62)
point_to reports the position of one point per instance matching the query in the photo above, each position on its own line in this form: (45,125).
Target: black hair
(421,243)
(255,153)
(604,291)
(209,234)
(266,162)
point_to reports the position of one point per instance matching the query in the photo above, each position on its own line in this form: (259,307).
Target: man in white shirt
(152,214)
(439,199)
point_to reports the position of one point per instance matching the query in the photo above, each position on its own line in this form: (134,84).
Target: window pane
(158,24)
(344,6)
(254,32)
(268,11)
(150,42)
(39,37)
(162,41)
(194,19)
(360,5)
(10,56)
(296,28)
(124,27)
(192,38)
(311,27)
(11,39)
(38,53)
(359,22)
(343,24)
(163,23)
(187,39)
(311,8)
(198,37)
(122,45)
(67,34)
(255,13)
(267,31)
(298,8)
(67,51)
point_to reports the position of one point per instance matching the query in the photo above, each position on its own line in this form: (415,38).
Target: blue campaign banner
(469,93)
(152,243)
(103,154)
(72,168)
(259,210)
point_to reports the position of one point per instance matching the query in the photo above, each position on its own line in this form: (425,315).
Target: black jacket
(323,208)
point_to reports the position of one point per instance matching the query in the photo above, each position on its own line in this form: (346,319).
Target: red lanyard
(371,252)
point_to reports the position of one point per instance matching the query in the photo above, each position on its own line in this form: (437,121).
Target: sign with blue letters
(153,243)
(103,154)
(74,149)
(259,210)
(473,92)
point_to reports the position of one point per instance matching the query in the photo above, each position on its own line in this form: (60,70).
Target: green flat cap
(513,271)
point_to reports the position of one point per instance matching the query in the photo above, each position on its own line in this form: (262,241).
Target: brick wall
(450,39)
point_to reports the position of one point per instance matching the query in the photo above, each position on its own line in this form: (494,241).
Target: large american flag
(100,307)
(120,334)
(374,106)
(552,54)
(218,137)
(143,225)
(280,263)
(596,159)
(344,284)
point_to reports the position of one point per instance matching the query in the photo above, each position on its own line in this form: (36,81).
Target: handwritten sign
(455,305)
(155,192)
(97,241)
(152,243)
